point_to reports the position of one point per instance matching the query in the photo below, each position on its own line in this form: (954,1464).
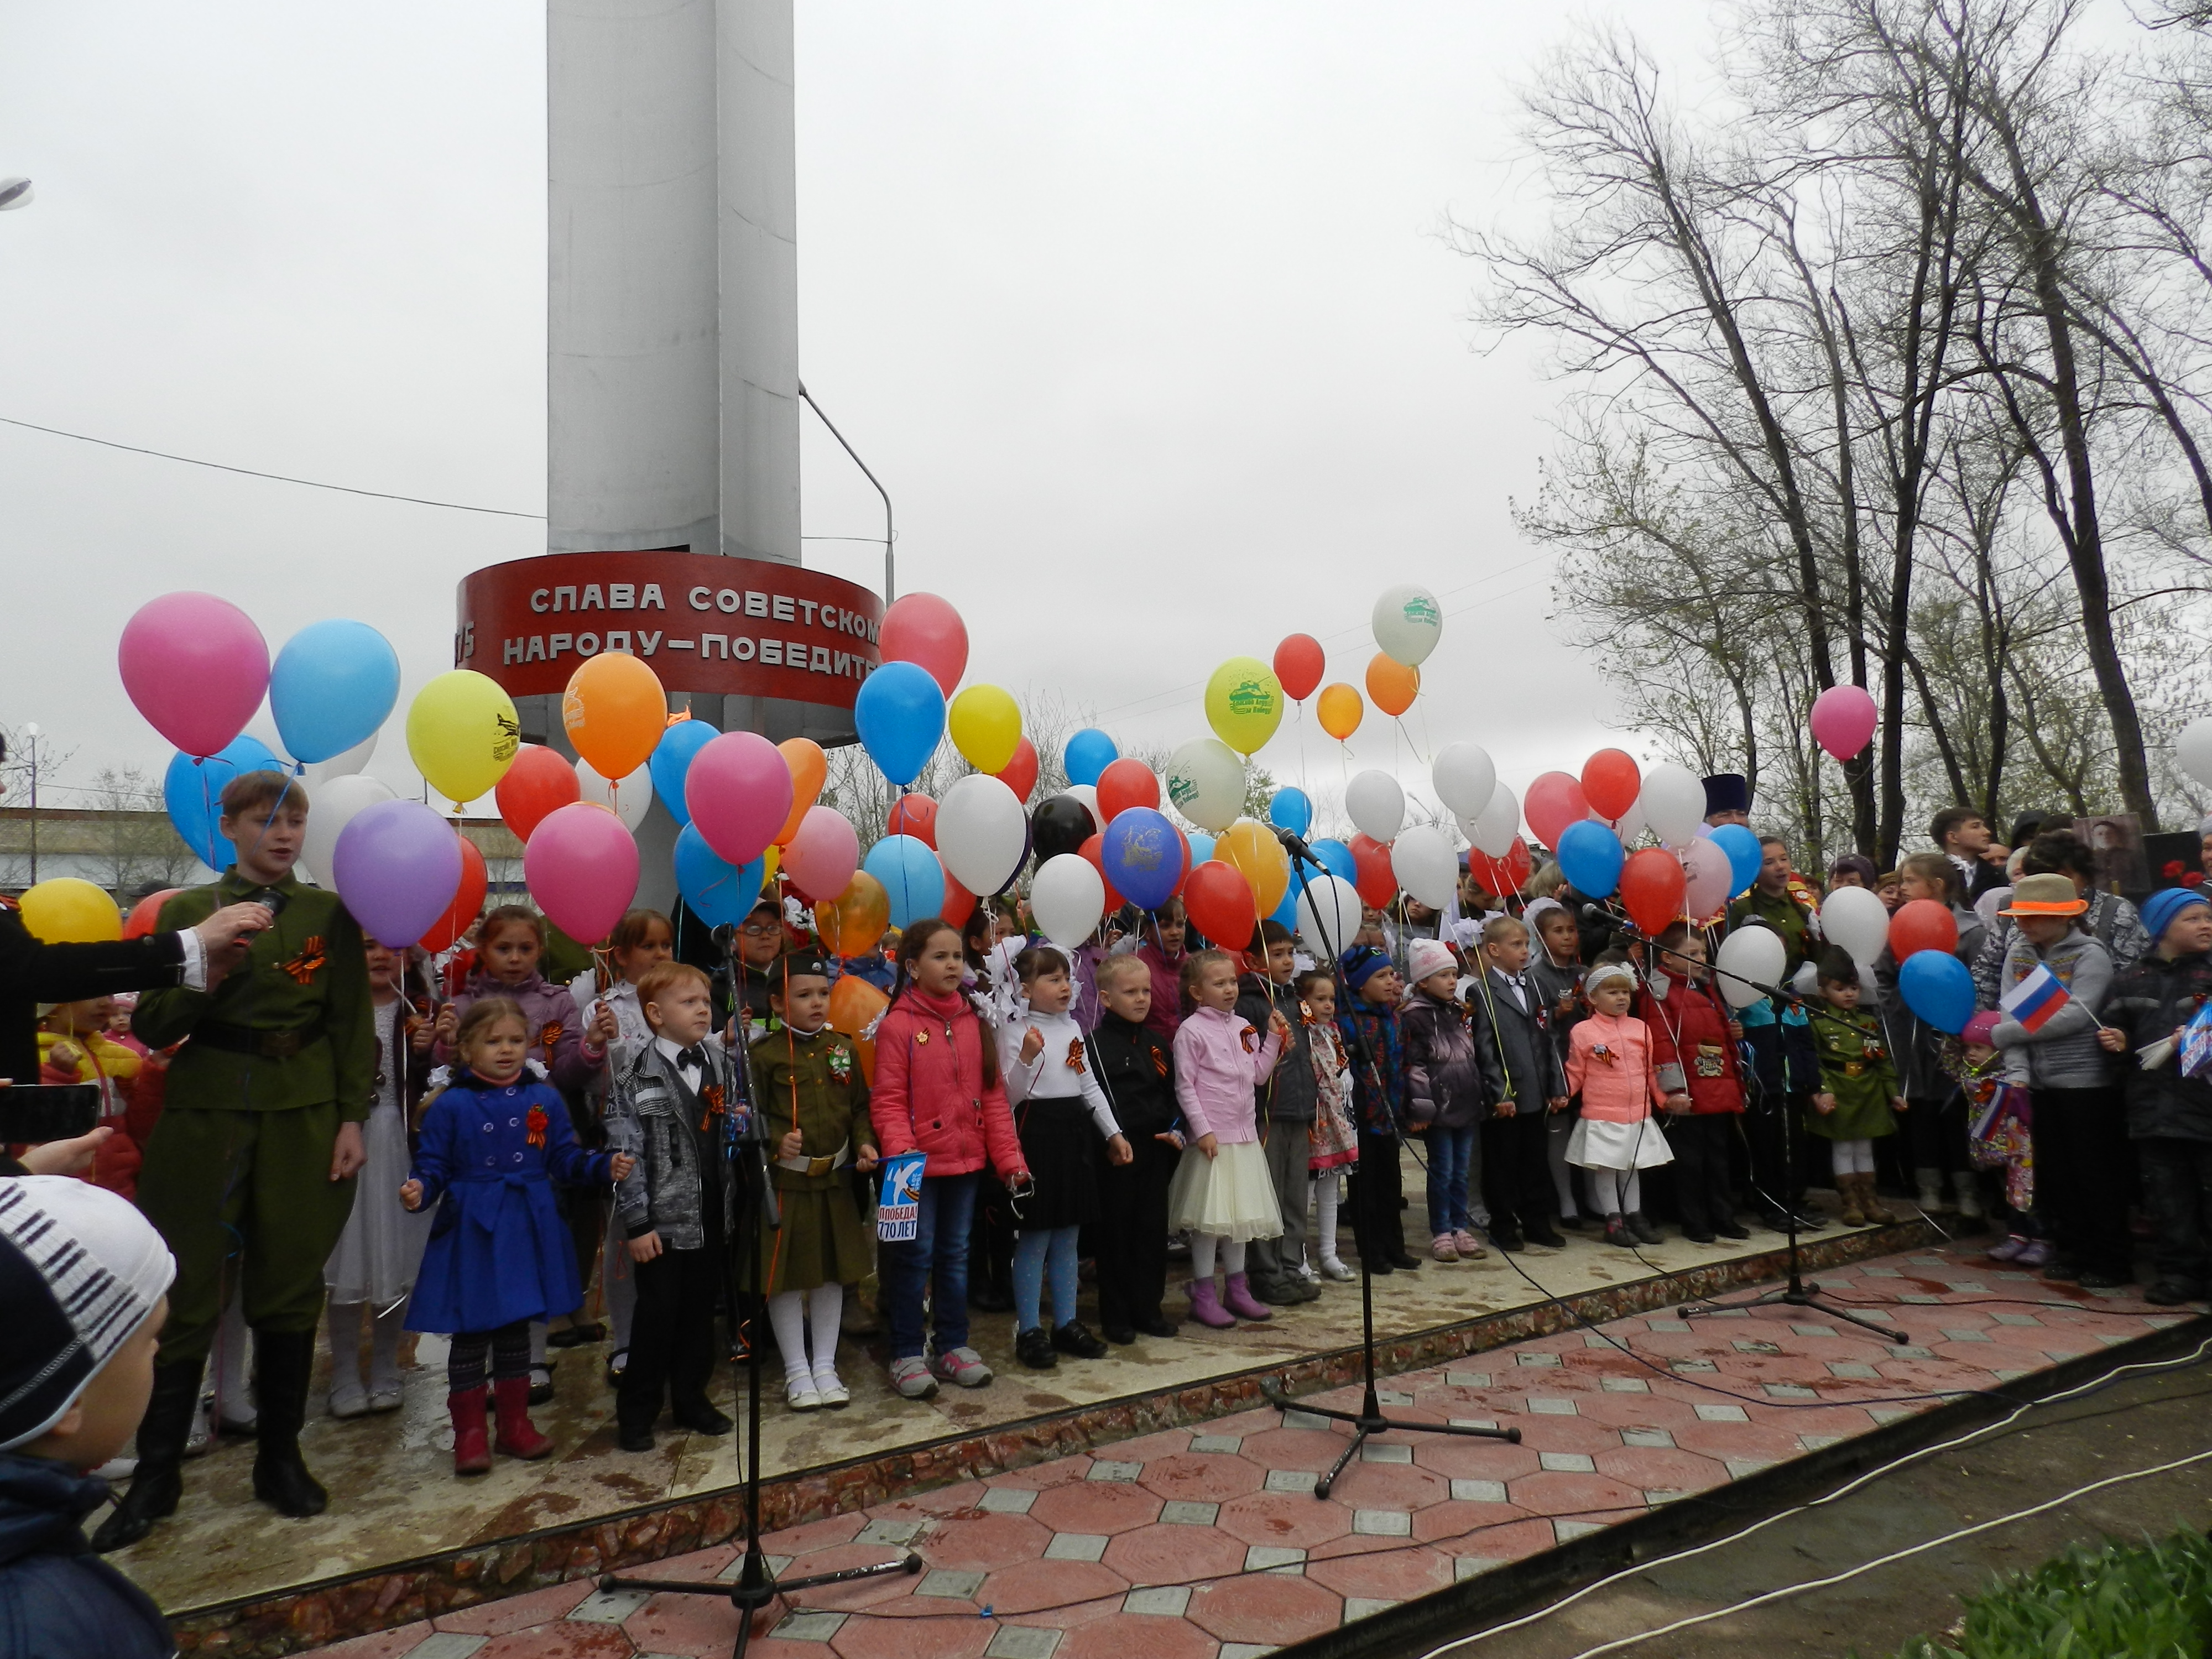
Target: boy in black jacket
(1136,1068)
(1527,1084)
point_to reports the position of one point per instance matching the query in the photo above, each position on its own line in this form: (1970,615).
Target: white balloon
(1673,803)
(1751,953)
(1206,784)
(1066,897)
(340,766)
(330,808)
(1329,916)
(630,803)
(1407,622)
(1088,794)
(1708,878)
(1857,918)
(2192,749)
(1425,864)
(982,834)
(1465,779)
(1631,824)
(1494,827)
(1376,805)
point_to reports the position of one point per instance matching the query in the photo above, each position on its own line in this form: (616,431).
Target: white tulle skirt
(1229,1196)
(380,1251)
(1599,1145)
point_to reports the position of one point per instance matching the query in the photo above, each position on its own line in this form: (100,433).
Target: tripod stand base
(755,1586)
(1794,1295)
(1367,1422)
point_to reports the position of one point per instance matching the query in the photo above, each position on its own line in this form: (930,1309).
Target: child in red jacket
(1693,1042)
(937,1090)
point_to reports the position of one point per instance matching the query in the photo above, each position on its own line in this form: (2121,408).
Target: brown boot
(1847,1186)
(1877,1213)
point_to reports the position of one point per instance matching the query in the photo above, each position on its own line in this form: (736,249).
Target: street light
(15,193)
(889,594)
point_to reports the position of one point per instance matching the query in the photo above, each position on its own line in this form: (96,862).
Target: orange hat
(2045,896)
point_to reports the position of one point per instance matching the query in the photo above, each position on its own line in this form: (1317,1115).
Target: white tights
(1851,1157)
(1326,1194)
(1202,1247)
(1614,1191)
(795,1314)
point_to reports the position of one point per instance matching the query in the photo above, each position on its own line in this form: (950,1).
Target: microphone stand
(746,1158)
(1368,1421)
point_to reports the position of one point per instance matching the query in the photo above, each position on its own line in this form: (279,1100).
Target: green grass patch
(2147,1601)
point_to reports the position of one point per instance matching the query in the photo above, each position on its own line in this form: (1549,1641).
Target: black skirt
(1061,1145)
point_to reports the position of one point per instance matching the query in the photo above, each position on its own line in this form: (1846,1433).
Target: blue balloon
(1089,752)
(900,714)
(1290,810)
(1591,857)
(1336,857)
(671,760)
(1201,848)
(192,791)
(1744,854)
(909,871)
(1287,912)
(1936,986)
(1143,858)
(721,894)
(331,686)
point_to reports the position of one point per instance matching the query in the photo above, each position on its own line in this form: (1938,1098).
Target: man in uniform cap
(1728,799)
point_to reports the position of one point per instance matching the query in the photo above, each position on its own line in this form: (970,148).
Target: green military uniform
(238,1176)
(1783,914)
(1855,1068)
(815,1083)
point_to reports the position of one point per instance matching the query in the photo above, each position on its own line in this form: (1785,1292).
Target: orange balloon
(1341,710)
(615,711)
(810,769)
(852,923)
(1391,685)
(854,1006)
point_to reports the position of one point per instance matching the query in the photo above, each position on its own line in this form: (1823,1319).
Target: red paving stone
(1136,1545)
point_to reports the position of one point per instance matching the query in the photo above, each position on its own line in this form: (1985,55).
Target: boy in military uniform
(251,1169)
(814,1103)
(1859,1096)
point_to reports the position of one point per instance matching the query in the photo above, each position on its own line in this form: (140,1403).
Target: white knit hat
(1424,957)
(80,1270)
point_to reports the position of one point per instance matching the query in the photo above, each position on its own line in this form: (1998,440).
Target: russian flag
(2035,999)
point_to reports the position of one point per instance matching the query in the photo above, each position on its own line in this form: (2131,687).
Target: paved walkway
(1209,1544)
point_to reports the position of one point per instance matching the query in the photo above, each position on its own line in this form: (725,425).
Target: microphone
(1294,845)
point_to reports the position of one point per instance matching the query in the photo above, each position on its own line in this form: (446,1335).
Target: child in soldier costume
(1858,1087)
(813,1104)
(251,1169)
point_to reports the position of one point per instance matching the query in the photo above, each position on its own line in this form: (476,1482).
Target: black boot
(156,1484)
(283,1362)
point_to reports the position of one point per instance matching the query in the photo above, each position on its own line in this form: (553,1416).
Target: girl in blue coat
(500,1255)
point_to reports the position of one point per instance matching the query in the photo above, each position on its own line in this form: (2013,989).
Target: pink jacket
(1618,1084)
(556,1027)
(930,1093)
(1219,1061)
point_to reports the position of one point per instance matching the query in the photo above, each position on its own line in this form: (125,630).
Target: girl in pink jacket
(1610,1064)
(1222,1191)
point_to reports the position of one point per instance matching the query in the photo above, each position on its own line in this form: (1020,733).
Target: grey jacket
(1519,1062)
(654,1118)
(2109,920)
(2065,1053)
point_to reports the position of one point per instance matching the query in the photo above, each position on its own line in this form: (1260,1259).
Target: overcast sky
(1139,311)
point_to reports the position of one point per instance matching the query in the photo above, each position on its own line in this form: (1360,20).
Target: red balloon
(922,628)
(146,915)
(1554,801)
(1021,773)
(1923,924)
(1184,841)
(1519,864)
(468,899)
(537,784)
(1376,881)
(1299,662)
(1219,902)
(1611,783)
(1126,783)
(958,902)
(1094,850)
(1652,886)
(915,816)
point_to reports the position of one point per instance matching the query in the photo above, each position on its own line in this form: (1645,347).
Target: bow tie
(695,1055)
(1518,982)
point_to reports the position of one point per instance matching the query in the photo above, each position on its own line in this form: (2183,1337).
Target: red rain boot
(1206,1308)
(1241,1301)
(518,1435)
(470,1455)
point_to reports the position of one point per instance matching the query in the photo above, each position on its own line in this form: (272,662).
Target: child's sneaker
(2036,1254)
(2010,1249)
(911,1378)
(1033,1348)
(1336,1270)
(1616,1232)
(1445,1248)
(962,1365)
(1470,1247)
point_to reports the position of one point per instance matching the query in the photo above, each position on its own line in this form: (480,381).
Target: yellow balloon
(66,911)
(463,734)
(1341,710)
(1250,848)
(986,726)
(1244,704)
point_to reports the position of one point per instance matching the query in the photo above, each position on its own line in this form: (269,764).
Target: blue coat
(499,1250)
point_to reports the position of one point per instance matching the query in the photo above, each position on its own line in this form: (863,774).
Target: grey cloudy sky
(1139,309)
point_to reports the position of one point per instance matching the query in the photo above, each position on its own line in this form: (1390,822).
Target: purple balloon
(396,867)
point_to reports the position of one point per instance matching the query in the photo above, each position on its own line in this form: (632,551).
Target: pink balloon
(924,630)
(739,789)
(823,856)
(1553,801)
(581,865)
(1710,877)
(196,666)
(1843,719)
